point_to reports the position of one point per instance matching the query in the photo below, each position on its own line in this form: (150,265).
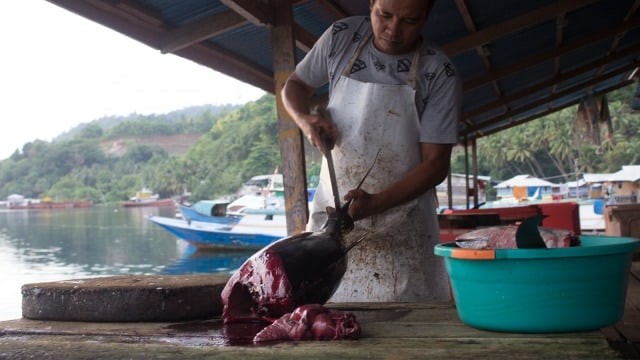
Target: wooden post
(290,137)
(466,172)
(474,160)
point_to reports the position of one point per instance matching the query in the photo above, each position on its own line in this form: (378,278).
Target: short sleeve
(314,67)
(442,108)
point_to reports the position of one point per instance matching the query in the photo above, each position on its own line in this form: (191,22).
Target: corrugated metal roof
(519,60)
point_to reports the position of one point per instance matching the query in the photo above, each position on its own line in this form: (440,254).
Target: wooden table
(390,331)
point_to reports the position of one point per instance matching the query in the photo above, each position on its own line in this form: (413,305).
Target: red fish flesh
(311,322)
(504,237)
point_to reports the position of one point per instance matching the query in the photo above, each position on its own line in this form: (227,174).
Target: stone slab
(126,298)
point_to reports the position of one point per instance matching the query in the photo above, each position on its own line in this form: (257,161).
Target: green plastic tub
(541,290)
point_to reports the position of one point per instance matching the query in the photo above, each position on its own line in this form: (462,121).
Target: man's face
(397,24)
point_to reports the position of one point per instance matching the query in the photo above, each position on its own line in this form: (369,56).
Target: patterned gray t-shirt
(438,89)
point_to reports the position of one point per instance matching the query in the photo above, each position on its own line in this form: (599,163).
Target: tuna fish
(301,269)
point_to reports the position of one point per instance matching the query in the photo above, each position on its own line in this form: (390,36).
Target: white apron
(395,262)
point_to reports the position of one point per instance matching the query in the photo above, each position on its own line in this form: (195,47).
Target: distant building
(621,187)
(523,187)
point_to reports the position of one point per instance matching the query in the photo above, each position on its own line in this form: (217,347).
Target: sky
(58,70)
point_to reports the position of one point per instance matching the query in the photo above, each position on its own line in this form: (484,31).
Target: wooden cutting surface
(390,331)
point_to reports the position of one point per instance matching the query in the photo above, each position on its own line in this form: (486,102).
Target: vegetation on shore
(237,143)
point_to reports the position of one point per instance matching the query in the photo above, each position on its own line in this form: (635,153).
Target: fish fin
(370,168)
(528,235)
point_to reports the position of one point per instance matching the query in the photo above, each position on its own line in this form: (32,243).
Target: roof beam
(553,82)
(146,27)
(256,11)
(216,24)
(564,49)
(489,34)
(482,50)
(568,91)
(337,11)
(230,64)
(482,133)
(198,31)
(620,36)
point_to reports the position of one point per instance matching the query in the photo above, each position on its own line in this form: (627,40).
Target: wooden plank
(289,136)
(390,330)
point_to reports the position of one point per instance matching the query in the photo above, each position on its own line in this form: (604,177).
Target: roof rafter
(546,100)
(553,82)
(257,12)
(566,48)
(518,23)
(551,110)
(481,50)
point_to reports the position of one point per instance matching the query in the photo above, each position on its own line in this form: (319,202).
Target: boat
(146,197)
(213,211)
(50,205)
(256,229)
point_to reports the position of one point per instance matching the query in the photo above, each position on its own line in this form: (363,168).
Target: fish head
(344,219)
(339,222)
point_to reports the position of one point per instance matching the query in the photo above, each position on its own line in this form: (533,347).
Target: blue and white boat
(256,229)
(213,211)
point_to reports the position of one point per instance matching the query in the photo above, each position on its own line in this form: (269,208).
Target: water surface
(62,244)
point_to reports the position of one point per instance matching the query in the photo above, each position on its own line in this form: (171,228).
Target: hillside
(174,145)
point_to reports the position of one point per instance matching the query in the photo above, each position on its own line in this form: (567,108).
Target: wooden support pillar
(290,137)
(466,172)
(449,189)
(474,163)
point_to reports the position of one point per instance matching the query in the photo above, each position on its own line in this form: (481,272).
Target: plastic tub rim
(591,245)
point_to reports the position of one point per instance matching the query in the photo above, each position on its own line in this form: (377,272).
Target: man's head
(397,23)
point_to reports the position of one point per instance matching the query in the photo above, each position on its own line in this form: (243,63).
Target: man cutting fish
(389,90)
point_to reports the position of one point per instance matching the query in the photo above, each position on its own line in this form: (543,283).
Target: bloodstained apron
(395,262)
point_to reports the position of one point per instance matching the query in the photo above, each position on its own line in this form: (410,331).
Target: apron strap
(411,79)
(347,69)
(413,70)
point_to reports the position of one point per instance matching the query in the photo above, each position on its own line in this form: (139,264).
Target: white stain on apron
(395,262)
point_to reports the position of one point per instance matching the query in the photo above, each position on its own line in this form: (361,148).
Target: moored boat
(255,229)
(212,211)
(146,197)
(50,205)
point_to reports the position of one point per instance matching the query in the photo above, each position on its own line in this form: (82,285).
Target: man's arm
(296,96)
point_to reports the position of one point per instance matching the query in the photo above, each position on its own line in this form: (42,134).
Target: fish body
(301,269)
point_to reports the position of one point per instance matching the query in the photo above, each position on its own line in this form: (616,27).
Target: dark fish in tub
(524,235)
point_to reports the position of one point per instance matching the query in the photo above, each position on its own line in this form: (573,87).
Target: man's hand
(362,205)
